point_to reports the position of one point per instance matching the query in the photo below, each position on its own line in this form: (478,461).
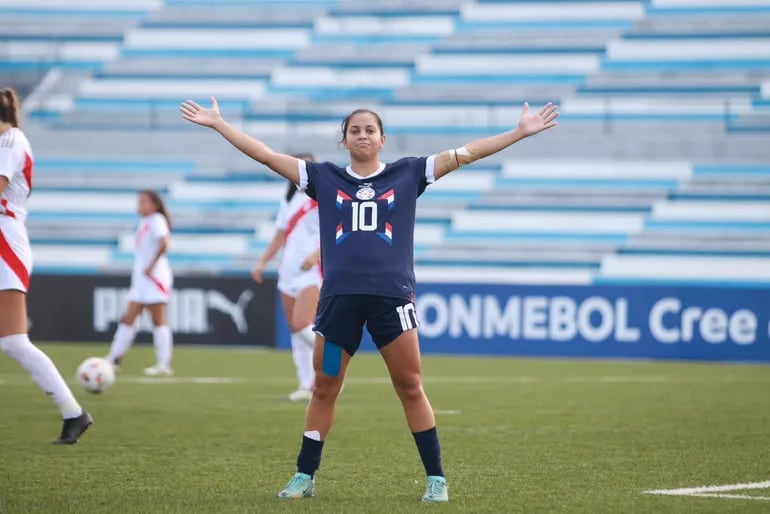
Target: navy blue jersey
(367,225)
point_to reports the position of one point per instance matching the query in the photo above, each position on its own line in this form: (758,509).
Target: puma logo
(236,310)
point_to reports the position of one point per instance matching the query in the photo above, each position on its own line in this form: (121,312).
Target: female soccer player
(299,278)
(367,220)
(15,267)
(151,282)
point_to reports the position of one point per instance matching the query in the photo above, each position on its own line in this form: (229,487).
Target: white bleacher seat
(328,77)
(119,203)
(646,106)
(71,255)
(599,169)
(416,115)
(429,233)
(164,66)
(84,5)
(328,131)
(227,39)
(700,4)
(545,10)
(691,49)
(273,191)
(495,64)
(178,89)
(701,268)
(692,210)
(59,51)
(465,181)
(196,244)
(392,27)
(503,275)
(547,221)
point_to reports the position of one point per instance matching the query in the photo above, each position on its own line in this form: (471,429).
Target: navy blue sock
(430,451)
(309,458)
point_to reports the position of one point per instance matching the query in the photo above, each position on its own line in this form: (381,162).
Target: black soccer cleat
(73,428)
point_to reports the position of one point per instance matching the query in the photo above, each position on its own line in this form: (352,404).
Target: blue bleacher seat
(441,71)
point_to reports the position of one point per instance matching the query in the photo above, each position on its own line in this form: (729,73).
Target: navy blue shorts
(340,319)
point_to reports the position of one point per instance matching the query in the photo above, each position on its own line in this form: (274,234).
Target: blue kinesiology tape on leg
(332,361)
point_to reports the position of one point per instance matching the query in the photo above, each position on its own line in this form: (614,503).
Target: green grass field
(517,436)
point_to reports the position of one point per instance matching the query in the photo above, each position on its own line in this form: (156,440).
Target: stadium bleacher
(655,96)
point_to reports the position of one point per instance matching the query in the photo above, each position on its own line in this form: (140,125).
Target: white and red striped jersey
(151,230)
(16,165)
(299,218)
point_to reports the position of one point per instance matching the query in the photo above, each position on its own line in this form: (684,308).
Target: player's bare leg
(162,340)
(318,423)
(320,411)
(16,344)
(402,357)
(124,334)
(300,312)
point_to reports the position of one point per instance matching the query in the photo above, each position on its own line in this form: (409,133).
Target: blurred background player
(367,215)
(299,277)
(15,267)
(151,284)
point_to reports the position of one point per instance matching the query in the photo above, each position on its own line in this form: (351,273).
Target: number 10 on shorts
(408,317)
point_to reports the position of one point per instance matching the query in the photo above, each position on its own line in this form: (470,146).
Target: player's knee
(127,319)
(409,386)
(326,388)
(297,323)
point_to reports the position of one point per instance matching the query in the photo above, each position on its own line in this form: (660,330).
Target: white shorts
(293,284)
(147,291)
(15,256)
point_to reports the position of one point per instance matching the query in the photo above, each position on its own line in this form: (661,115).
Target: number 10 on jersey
(364,216)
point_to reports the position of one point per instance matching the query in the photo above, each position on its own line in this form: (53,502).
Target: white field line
(730,496)
(714,491)
(179,380)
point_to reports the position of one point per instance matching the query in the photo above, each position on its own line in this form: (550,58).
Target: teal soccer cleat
(437,491)
(300,486)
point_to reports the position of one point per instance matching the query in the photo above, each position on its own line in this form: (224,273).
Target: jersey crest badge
(365,193)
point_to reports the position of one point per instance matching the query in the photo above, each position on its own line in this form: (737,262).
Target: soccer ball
(96,374)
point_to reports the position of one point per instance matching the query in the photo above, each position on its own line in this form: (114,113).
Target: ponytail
(157,201)
(9,107)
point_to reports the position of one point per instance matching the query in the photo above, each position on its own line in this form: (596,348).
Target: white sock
(161,338)
(121,342)
(307,336)
(43,372)
(303,361)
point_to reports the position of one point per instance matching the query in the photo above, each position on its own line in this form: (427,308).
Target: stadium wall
(202,310)
(687,322)
(602,321)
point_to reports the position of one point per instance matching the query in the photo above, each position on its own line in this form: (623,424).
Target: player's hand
(532,123)
(148,271)
(256,273)
(309,261)
(193,112)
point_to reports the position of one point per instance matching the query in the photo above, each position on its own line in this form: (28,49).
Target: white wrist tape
(461,152)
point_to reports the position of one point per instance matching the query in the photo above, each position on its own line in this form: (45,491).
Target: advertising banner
(203,309)
(647,322)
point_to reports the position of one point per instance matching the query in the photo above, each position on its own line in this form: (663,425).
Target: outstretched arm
(529,124)
(284,165)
